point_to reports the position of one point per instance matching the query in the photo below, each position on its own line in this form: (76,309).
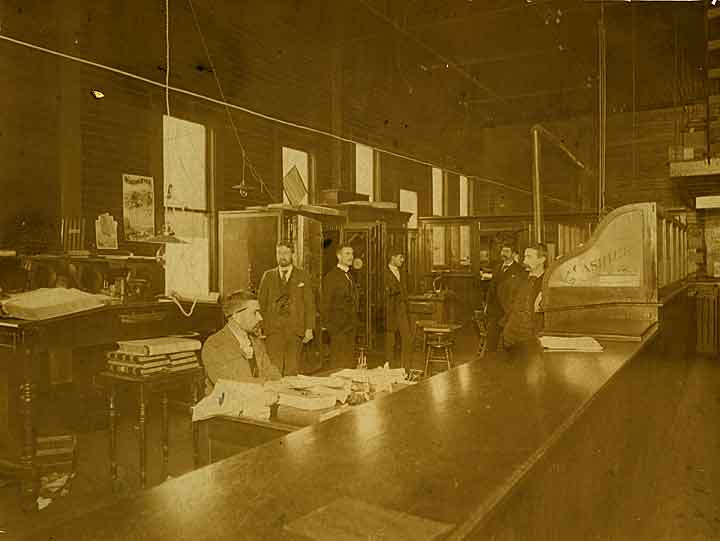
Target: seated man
(237,351)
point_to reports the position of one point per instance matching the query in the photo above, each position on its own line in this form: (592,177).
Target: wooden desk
(450,449)
(23,342)
(224,436)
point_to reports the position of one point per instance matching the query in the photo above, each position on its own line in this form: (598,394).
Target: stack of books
(154,355)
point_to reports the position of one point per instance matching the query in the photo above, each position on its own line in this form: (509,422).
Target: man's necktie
(284,275)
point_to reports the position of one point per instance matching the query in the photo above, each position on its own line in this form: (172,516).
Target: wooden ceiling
(509,61)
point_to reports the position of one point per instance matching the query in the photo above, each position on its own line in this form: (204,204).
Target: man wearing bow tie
(340,309)
(288,307)
(506,281)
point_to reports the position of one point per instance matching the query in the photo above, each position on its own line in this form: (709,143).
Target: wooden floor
(681,504)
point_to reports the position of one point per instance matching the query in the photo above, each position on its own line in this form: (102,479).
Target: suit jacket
(395,299)
(504,288)
(339,303)
(524,322)
(289,308)
(224,358)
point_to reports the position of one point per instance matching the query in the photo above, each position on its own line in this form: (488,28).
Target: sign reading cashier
(614,260)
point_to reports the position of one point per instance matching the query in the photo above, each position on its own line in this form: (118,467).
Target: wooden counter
(450,449)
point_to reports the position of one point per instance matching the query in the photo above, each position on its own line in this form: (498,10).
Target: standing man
(288,307)
(525,319)
(396,312)
(339,309)
(506,280)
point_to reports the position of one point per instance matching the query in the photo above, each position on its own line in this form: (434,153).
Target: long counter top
(447,449)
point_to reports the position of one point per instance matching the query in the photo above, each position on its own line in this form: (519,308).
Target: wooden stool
(419,333)
(439,345)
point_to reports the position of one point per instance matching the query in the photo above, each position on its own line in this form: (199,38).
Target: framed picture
(106,232)
(138,207)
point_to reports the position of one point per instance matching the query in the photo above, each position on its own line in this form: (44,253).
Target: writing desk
(224,435)
(23,342)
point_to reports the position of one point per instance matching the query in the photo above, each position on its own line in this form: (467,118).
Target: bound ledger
(158,346)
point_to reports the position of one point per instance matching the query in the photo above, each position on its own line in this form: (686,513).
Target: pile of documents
(236,398)
(380,378)
(46,303)
(310,392)
(570,343)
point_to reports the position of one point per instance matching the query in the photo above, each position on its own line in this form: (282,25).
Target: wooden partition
(615,284)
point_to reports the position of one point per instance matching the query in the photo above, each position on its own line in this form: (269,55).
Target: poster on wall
(138,207)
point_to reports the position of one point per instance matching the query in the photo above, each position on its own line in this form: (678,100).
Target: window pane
(187,266)
(465,245)
(438,246)
(184,165)
(408,203)
(364,170)
(464,196)
(437,192)
(301,160)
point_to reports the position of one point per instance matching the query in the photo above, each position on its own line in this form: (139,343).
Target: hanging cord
(167,57)
(180,306)
(245,160)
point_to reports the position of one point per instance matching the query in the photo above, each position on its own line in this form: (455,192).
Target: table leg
(165,434)
(27,457)
(195,428)
(112,414)
(143,443)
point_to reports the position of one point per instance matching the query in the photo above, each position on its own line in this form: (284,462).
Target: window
(365,170)
(301,160)
(438,232)
(408,203)
(187,264)
(464,229)
(437,191)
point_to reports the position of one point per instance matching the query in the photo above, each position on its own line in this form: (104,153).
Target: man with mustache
(237,351)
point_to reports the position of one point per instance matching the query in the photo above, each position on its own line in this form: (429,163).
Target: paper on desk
(570,343)
(236,398)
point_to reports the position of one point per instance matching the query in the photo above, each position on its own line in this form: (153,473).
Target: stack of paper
(380,378)
(307,389)
(236,398)
(570,343)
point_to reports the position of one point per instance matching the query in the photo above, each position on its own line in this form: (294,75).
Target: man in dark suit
(525,318)
(507,278)
(397,321)
(288,308)
(339,309)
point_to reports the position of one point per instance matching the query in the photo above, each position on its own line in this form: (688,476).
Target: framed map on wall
(138,207)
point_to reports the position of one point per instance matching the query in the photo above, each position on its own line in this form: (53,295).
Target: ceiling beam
(448,61)
(537,94)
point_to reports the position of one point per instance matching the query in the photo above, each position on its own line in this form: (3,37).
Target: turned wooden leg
(112,414)
(143,443)
(165,435)
(195,429)
(27,458)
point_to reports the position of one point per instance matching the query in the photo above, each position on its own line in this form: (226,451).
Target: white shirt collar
(542,271)
(287,269)
(394,270)
(343,268)
(242,336)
